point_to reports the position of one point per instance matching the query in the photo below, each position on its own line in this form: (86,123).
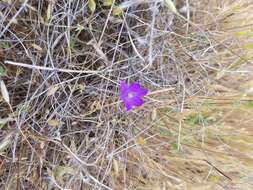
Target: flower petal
(135,87)
(123,96)
(142,92)
(137,101)
(128,105)
(123,87)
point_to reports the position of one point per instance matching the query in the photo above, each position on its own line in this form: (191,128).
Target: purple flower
(131,95)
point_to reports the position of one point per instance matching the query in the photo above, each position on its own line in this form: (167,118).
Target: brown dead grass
(217,130)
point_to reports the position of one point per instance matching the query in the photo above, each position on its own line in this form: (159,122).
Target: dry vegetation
(63,126)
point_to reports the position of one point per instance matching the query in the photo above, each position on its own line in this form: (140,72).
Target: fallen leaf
(7,1)
(214,179)
(141,141)
(170,5)
(4,92)
(6,120)
(117,11)
(107,2)
(53,123)
(35,46)
(49,11)
(5,142)
(52,90)
(81,87)
(4,45)
(154,114)
(115,167)
(3,72)
(92,5)
(60,171)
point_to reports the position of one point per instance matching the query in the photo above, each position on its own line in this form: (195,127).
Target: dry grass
(64,126)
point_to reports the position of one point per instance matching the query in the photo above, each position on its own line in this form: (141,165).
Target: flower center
(130,95)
